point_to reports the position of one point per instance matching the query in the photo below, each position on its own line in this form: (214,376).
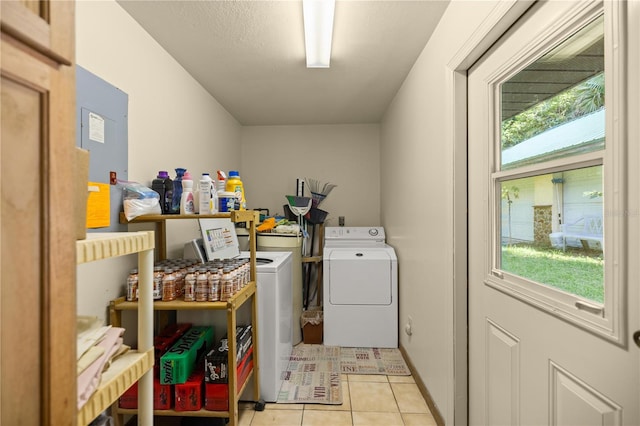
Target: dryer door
(359,277)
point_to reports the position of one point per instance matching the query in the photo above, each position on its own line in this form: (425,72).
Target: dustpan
(299,205)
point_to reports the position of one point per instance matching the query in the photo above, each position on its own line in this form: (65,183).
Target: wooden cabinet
(246,295)
(37,280)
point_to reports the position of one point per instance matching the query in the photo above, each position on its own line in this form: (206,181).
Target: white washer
(360,288)
(275,320)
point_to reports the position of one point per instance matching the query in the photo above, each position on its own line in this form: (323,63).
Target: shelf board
(98,246)
(173,305)
(122,373)
(236,216)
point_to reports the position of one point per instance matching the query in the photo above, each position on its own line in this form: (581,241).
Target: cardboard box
(165,339)
(189,395)
(217,360)
(162,396)
(178,362)
(216,395)
(80,192)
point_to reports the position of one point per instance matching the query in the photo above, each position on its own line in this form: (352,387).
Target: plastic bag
(139,200)
(312,317)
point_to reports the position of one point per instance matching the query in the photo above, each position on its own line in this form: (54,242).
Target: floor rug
(373,361)
(313,376)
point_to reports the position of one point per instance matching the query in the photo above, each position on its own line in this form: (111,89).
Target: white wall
(345,155)
(173,122)
(418,143)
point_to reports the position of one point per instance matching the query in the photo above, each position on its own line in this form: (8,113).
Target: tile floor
(367,400)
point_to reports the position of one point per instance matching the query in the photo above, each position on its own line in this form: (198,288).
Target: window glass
(550,225)
(554,107)
(551,230)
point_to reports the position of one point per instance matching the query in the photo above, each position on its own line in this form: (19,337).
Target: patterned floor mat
(373,361)
(313,376)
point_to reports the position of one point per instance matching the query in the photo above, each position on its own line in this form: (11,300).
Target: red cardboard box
(188,395)
(217,359)
(216,395)
(161,396)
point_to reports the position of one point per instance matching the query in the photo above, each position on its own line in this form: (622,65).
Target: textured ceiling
(250,55)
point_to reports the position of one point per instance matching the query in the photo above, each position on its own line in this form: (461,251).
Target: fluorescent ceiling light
(318,29)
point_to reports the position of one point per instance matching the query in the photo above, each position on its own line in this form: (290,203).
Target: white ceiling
(250,54)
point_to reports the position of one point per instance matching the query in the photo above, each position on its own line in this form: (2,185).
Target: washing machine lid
(268,261)
(360,277)
(354,236)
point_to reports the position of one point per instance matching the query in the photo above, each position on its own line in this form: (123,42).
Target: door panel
(537,355)
(574,402)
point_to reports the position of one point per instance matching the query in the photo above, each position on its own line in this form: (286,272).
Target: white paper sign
(96,128)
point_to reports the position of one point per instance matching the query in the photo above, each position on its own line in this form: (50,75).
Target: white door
(553,150)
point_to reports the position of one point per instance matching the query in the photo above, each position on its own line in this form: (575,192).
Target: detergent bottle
(186,199)
(234,184)
(177,191)
(206,193)
(163,185)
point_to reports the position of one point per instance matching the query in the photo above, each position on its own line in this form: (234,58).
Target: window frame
(584,313)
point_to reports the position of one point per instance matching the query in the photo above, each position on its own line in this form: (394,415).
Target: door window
(548,180)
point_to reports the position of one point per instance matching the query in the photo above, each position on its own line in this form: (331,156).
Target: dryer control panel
(354,236)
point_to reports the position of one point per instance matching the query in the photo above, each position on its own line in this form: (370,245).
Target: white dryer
(360,288)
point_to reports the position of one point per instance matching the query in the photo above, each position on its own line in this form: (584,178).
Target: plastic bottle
(190,285)
(186,199)
(234,184)
(177,191)
(158,274)
(208,204)
(202,285)
(168,285)
(214,284)
(222,182)
(163,185)
(132,285)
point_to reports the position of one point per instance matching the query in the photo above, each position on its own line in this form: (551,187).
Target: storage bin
(312,326)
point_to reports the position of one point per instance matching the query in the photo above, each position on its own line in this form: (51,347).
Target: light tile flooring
(367,400)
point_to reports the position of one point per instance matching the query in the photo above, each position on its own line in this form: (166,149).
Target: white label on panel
(96,128)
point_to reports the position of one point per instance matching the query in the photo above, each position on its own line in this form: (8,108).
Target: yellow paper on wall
(99,205)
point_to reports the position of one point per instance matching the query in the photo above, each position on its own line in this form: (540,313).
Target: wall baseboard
(423,389)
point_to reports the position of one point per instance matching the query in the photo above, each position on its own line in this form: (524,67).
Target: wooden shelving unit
(248,293)
(135,365)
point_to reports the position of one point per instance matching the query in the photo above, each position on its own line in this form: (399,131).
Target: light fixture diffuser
(318,31)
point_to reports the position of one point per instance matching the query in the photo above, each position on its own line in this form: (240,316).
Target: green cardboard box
(178,362)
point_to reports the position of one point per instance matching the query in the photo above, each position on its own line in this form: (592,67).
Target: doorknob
(636,338)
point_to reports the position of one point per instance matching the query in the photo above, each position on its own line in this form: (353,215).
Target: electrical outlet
(408,328)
